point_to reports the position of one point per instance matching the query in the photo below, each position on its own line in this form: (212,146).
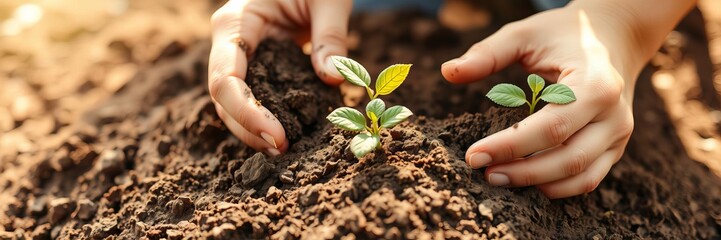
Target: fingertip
(329,32)
(472,149)
(482,59)
(466,69)
(272,152)
(259,122)
(352,94)
(284,146)
(269,139)
(498,179)
(252,140)
(479,159)
(278,146)
(333,82)
(277,141)
(450,70)
(271,130)
(328,73)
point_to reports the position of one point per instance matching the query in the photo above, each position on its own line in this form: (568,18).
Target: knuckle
(577,163)
(606,94)
(219,66)
(216,86)
(558,129)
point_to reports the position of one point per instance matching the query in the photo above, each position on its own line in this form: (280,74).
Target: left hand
(238,27)
(572,147)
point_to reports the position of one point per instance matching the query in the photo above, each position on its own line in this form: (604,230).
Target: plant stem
(532,108)
(533,103)
(370,93)
(374,127)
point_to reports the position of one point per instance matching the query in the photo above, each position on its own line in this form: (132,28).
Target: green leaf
(394,115)
(507,95)
(391,78)
(536,83)
(558,94)
(363,143)
(347,118)
(376,106)
(352,71)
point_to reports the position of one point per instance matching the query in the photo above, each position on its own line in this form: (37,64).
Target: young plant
(351,119)
(509,95)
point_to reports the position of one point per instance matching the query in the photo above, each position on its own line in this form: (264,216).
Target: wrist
(635,29)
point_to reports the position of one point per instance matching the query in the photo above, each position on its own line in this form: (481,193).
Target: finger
(486,57)
(329,29)
(584,182)
(246,137)
(352,94)
(566,160)
(235,35)
(236,31)
(236,98)
(544,129)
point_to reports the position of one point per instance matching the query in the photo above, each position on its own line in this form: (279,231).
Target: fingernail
(498,180)
(479,160)
(268,138)
(272,152)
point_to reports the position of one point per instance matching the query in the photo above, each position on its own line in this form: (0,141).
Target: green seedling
(351,119)
(509,95)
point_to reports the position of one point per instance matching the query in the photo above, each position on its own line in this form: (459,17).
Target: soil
(154,161)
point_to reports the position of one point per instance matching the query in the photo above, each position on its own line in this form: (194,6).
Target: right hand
(238,27)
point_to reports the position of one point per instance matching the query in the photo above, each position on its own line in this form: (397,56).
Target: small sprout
(353,120)
(509,95)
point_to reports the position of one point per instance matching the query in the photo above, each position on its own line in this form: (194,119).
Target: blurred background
(60,58)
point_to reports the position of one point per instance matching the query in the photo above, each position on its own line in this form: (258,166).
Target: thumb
(486,57)
(329,29)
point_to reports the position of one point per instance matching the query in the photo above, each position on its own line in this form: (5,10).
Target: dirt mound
(155,161)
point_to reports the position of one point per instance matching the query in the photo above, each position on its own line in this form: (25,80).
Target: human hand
(238,27)
(572,147)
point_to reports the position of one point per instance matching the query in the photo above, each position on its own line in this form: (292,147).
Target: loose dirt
(154,161)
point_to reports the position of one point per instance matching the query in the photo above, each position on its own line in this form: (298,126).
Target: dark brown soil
(154,160)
